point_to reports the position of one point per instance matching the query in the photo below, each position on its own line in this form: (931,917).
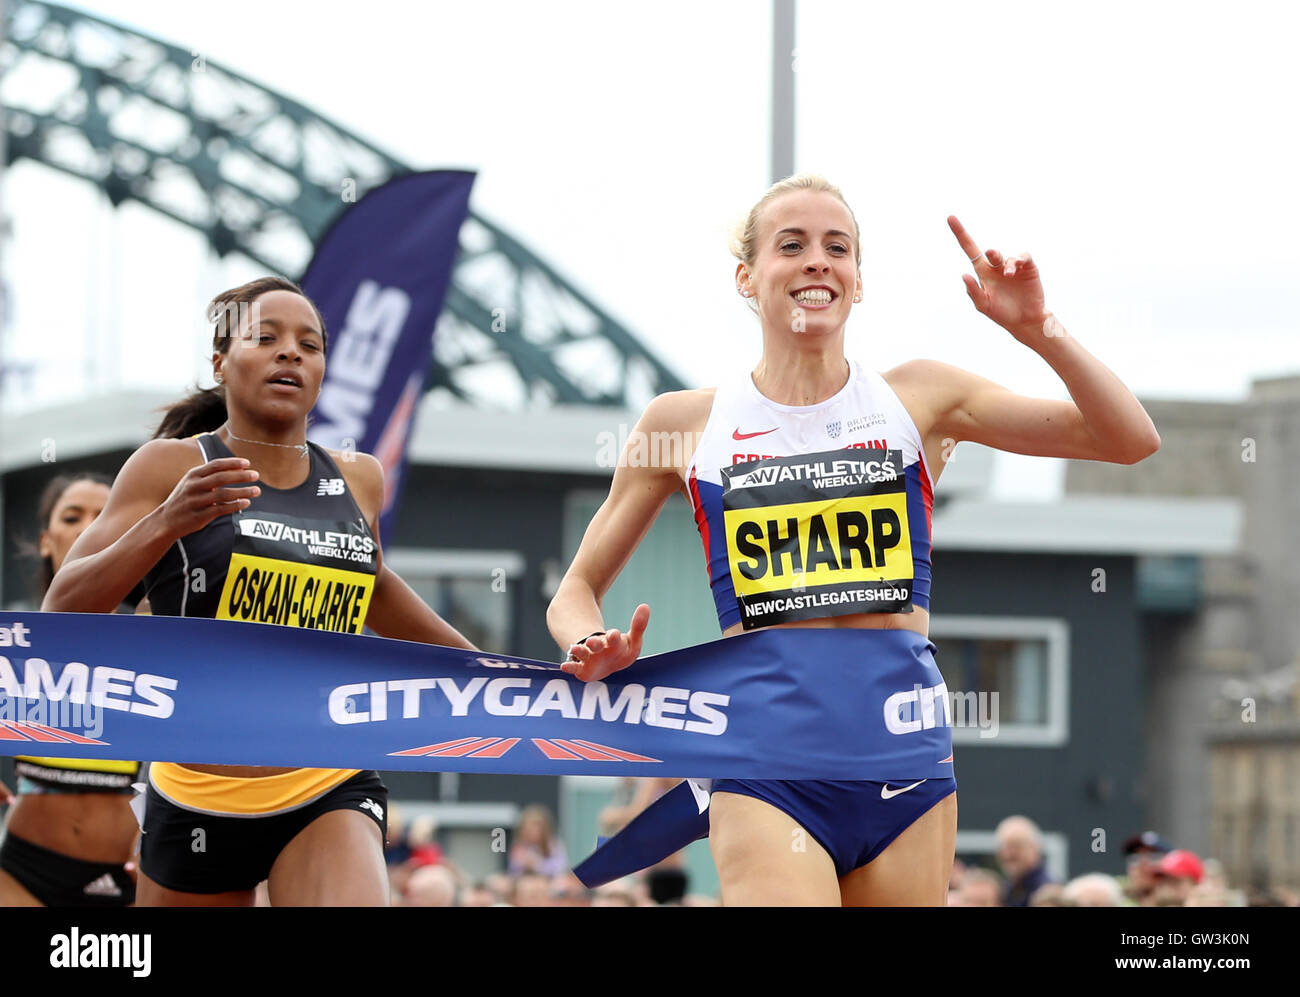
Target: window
(1007,678)
(473,590)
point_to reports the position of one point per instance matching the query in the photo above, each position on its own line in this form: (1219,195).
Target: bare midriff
(92,827)
(240,771)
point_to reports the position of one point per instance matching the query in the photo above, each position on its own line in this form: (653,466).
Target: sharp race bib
(310,573)
(818,535)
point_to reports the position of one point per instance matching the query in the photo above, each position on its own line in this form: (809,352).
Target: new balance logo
(373,807)
(104,886)
(329,486)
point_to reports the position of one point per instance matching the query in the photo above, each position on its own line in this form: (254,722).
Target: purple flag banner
(379,277)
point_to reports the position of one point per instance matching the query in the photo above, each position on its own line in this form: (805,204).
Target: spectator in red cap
(422,840)
(1175,876)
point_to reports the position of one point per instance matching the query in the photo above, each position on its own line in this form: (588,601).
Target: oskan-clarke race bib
(298,572)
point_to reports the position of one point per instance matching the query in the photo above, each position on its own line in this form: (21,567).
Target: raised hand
(612,651)
(1006,290)
(208,491)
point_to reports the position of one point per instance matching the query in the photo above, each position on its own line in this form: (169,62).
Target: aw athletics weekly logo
(311,573)
(818,534)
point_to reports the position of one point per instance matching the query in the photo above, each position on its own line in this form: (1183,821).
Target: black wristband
(598,633)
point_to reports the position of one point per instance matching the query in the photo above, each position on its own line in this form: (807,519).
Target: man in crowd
(1096,889)
(1143,853)
(1175,876)
(1020,854)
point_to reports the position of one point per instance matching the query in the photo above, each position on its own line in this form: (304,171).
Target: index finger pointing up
(968,245)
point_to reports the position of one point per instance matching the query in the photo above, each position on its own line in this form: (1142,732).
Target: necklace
(300,447)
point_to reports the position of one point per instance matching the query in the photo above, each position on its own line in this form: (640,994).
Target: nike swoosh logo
(738,435)
(888,794)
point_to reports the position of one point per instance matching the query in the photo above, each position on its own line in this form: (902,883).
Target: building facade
(1223,703)
(1042,614)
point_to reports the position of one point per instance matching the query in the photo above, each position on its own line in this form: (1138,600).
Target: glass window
(1017,669)
(1007,678)
(474,591)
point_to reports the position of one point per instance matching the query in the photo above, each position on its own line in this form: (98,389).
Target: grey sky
(1144,153)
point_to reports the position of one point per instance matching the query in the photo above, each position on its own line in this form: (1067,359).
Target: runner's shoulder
(165,457)
(367,465)
(920,369)
(685,411)
(923,371)
(925,381)
(156,466)
(364,475)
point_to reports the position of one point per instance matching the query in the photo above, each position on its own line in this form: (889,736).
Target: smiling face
(804,275)
(74,510)
(275,362)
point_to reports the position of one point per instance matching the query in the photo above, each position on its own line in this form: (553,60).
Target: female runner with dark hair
(174,520)
(830,548)
(70,834)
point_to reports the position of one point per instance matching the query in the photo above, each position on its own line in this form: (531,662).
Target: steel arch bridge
(262,175)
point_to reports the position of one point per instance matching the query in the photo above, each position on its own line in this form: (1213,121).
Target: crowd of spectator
(536,872)
(442,886)
(1156,875)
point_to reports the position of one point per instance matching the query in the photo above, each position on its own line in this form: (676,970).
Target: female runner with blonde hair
(817,551)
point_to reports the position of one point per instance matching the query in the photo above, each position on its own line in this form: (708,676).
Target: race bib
(315,574)
(818,535)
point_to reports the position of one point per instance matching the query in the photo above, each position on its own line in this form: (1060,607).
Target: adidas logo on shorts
(329,486)
(373,807)
(104,886)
